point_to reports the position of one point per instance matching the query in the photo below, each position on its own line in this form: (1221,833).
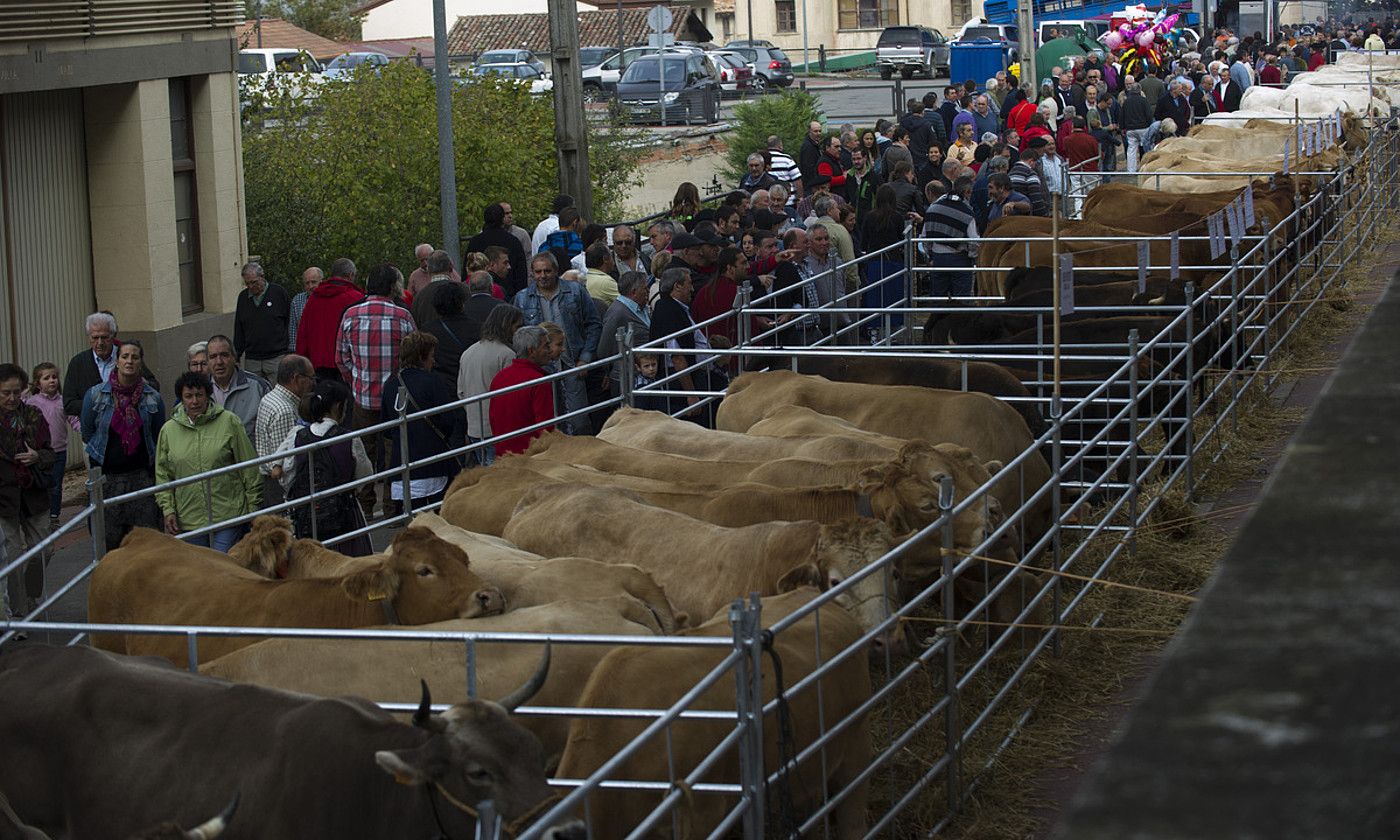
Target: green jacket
(189,447)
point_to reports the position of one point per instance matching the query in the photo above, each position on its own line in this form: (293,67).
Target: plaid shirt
(277,415)
(367,346)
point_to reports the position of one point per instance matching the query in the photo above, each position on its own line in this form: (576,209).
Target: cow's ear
(994,467)
(870,480)
(376,583)
(805,575)
(418,766)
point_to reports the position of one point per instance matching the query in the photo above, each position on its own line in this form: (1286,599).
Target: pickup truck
(911,49)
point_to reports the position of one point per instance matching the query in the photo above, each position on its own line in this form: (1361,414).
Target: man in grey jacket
(236,390)
(629,310)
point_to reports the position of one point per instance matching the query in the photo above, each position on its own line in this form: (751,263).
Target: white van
(293,71)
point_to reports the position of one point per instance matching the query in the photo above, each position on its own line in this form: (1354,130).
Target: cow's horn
(216,826)
(517,698)
(424,714)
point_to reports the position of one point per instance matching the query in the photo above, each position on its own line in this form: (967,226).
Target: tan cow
(655,678)
(522,578)
(701,566)
(156,579)
(657,431)
(389,671)
(989,427)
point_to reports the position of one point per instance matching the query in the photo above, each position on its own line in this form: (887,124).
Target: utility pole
(570,138)
(1025,30)
(750,8)
(621,41)
(447,157)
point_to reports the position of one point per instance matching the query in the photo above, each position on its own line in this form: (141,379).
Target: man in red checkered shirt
(367,354)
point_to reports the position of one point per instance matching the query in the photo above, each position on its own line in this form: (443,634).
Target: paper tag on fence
(1176,255)
(1142,266)
(1300,132)
(1234,217)
(1337,123)
(1067,284)
(1217,237)
(1249,207)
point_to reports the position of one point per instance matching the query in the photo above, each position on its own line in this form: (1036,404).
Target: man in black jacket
(920,132)
(260,323)
(672,316)
(1175,106)
(811,152)
(94,365)
(495,233)
(1137,121)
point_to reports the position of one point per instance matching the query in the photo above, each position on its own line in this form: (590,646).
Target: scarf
(15,435)
(126,414)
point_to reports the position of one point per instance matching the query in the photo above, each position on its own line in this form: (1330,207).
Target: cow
(657,431)
(927,372)
(702,566)
(11,828)
(157,579)
(987,426)
(105,746)
(523,579)
(386,671)
(656,678)
(900,496)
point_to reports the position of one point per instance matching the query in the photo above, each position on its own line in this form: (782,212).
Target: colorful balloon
(1114,40)
(1145,39)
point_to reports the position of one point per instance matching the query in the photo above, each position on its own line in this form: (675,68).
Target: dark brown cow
(104,746)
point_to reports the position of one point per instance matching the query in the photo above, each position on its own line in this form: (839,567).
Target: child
(652,399)
(556,349)
(44,395)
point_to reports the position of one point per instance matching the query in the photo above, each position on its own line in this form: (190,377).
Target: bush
(353,170)
(786,115)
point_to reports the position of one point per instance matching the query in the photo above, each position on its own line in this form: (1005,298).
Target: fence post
(908,284)
(401,406)
(748,690)
(1056,466)
(821,58)
(488,822)
(743,325)
(1235,339)
(97,487)
(1188,445)
(952,735)
(1133,466)
(625,367)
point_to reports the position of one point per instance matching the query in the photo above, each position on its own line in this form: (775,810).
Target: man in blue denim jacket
(566,303)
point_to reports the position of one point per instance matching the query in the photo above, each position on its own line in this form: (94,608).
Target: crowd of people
(530,311)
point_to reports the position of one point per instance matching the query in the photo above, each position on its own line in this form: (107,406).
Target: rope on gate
(787,811)
(1027,626)
(1071,576)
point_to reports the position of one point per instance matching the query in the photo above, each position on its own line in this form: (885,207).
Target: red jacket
(1032,132)
(522,408)
(832,169)
(1270,75)
(1080,147)
(320,320)
(1020,116)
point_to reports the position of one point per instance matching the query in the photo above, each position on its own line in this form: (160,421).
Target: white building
(844,27)
(414,18)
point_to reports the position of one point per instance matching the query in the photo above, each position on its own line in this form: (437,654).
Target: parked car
(517,72)
(735,74)
(593,56)
(345,63)
(907,50)
(755,43)
(601,81)
(771,67)
(982,32)
(691,93)
(512,57)
(293,72)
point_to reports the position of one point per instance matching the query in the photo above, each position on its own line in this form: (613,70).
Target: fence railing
(1135,421)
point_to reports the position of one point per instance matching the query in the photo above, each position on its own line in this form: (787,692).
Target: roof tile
(278,33)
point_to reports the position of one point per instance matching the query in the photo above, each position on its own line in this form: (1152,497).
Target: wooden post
(1055,295)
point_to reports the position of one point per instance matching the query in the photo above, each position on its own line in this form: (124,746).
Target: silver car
(908,50)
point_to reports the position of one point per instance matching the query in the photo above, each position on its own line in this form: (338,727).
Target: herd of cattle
(650,529)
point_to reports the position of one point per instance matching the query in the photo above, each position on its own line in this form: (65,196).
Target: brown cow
(12,828)
(657,431)
(655,678)
(157,579)
(389,671)
(523,579)
(702,566)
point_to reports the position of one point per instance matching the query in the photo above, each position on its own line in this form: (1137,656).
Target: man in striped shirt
(785,170)
(367,353)
(277,416)
(951,226)
(310,279)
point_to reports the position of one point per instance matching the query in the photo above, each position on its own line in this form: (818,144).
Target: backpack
(334,514)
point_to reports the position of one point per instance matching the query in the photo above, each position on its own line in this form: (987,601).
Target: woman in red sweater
(527,406)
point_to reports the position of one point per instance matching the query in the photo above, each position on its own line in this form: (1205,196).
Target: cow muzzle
(483,602)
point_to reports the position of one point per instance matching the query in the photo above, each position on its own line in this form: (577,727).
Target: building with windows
(121,181)
(844,27)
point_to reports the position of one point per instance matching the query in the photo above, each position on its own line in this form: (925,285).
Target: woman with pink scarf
(121,421)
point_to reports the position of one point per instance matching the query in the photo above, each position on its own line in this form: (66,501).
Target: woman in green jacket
(199,437)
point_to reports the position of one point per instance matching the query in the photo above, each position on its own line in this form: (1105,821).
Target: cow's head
(843,549)
(426,579)
(264,548)
(476,751)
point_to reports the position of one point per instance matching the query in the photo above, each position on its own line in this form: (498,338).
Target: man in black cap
(711,243)
(686,253)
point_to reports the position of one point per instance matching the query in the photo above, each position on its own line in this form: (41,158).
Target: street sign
(665,39)
(659,18)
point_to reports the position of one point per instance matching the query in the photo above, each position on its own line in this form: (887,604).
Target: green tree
(352,170)
(785,115)
(333,19)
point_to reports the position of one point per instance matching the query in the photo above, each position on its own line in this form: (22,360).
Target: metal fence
(730,753)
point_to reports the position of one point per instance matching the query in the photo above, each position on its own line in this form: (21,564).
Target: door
(47,264)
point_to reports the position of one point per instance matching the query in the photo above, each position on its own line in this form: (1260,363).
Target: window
(867,14)
(252,63)
(186,198)
(787,15)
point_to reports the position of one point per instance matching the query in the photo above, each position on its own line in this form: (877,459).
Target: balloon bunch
(1143,41)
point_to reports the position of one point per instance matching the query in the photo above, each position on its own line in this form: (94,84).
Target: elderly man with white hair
(421,275)
(95,364)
